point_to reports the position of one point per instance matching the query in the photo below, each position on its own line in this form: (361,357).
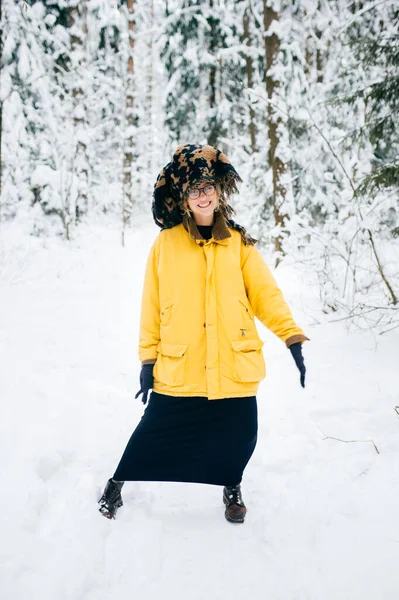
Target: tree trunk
(272,46)
(249,70)
(77,37)
(319,54)
(214,129)
(1,102)
(314,57)
(127,195)
(149,104)
(212,73)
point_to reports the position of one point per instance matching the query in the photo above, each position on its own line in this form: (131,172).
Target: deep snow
(322,517)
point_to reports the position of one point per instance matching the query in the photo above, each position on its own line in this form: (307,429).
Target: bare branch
(383,276)
(328,437)
(339,161)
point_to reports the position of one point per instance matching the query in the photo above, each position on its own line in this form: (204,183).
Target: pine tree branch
(362,12)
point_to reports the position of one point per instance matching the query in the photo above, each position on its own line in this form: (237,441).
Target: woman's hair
(228,211)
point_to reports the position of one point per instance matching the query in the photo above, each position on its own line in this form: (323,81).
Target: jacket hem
(220,396)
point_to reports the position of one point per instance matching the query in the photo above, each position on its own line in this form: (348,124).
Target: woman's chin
(204,218)
(204,213)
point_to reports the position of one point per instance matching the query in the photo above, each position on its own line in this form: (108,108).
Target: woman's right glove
(146,382)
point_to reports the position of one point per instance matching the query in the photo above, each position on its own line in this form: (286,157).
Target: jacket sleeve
(150,318)
(266,298)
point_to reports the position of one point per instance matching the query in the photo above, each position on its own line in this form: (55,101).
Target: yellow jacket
(197,315)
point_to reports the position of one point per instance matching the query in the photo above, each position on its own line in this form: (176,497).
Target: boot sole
(109,513)
(231,519)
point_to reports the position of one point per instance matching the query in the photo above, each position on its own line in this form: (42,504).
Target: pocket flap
(171,349)
(247,345)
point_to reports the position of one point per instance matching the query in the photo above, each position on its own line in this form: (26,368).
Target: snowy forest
(302,96)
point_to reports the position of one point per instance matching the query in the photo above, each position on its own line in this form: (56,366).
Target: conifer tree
(77,13)
(33,118)
(376,48)
(105,105)
(180,54)
(205,69)
(129,133)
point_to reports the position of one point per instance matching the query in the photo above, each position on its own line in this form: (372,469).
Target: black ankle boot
(111,499)
(235,508)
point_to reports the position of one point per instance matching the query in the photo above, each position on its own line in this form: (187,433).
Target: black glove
(296,351)
(146,382)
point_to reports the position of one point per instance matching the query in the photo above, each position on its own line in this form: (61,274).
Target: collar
(220,232)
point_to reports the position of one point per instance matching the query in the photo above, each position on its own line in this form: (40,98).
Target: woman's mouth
(205,205)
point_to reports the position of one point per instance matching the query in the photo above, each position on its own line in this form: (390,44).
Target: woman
(200,351)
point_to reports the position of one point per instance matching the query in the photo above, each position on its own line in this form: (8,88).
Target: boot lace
(112,493)
(234,495)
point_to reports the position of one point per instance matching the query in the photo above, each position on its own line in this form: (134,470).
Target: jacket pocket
(171,362)
(166,313)
(249,362)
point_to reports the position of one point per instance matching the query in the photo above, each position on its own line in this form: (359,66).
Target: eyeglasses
(195,193)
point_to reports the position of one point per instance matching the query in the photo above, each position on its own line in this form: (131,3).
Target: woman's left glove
(146,382)
(296,351)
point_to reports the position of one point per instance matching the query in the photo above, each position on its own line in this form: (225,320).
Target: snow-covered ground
(323,519)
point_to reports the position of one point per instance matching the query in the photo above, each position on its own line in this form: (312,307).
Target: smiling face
(205,205)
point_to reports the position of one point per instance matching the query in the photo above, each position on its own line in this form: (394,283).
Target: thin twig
(385,280)
(328,437)
(387,330)
(339,161)
(396,409)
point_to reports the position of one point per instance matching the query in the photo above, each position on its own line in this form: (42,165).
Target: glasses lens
(209,189)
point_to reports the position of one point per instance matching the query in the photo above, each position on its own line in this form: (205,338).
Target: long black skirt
(191,439)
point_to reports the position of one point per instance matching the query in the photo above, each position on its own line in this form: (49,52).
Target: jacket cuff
(149,361)
(296,338)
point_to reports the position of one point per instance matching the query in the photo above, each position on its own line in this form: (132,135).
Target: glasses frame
(199,190)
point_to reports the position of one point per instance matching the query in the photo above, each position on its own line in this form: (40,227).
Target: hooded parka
(197,316)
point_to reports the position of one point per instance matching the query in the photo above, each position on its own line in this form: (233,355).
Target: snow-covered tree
(34,126)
